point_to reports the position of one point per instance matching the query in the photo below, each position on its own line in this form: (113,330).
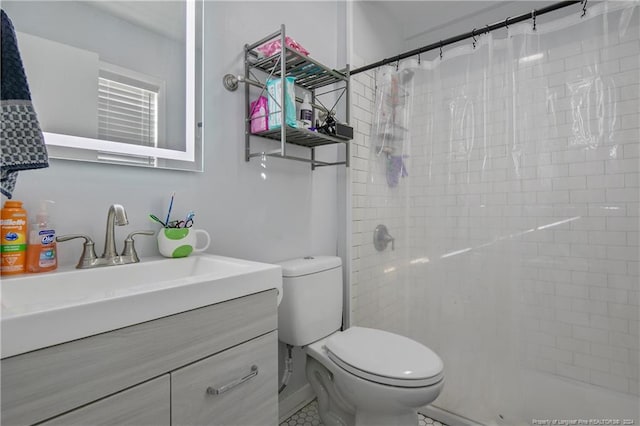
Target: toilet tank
(311,306)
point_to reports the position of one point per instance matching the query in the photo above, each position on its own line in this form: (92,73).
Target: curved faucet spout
(116,216)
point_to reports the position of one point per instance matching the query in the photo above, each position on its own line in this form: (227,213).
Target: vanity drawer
(147,404)
(45,383)
(222,390)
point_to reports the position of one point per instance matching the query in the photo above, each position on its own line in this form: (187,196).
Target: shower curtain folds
(516,223)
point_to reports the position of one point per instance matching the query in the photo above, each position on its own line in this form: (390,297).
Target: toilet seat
(384,357)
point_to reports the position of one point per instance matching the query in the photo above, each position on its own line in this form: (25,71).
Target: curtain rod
(475,32)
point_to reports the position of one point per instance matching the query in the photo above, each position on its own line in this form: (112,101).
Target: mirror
(115,81)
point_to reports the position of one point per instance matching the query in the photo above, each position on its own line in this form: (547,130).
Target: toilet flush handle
(382,238)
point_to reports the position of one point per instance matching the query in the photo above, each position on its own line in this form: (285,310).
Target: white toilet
(361,376)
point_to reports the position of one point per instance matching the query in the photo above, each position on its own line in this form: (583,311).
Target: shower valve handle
(382,238)
(393,242)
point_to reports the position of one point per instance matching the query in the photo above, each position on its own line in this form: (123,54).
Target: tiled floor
(308,416)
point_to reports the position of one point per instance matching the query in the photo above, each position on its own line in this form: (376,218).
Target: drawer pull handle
(236,382)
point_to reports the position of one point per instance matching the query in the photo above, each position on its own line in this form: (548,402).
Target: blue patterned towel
(20,135)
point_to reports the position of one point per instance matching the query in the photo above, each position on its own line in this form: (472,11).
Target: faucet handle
(382,238)
(88,257)
(129,254)
(389,238)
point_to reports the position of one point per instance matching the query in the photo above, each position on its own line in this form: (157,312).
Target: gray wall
(291,213)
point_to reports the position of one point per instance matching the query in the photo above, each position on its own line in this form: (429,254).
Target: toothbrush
(155,219)
(170,207)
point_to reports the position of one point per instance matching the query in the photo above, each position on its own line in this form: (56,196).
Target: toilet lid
(384,357)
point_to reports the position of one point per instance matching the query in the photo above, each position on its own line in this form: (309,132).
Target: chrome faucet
(116,216)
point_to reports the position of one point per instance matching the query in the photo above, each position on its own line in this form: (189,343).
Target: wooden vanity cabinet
(155,373)
(147,404)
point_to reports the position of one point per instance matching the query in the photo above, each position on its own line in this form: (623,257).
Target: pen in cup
(170,207)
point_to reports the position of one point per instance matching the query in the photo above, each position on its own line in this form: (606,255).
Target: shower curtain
(507,172)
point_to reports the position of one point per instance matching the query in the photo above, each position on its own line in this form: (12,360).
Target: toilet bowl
(378,378)
(361,376)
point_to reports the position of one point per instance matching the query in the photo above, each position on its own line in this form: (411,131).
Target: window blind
(127,113)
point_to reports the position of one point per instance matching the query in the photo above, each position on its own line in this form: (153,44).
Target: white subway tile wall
(537,240)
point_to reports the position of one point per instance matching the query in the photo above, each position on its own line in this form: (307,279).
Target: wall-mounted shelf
(302,137)
(310,77)
(309,74)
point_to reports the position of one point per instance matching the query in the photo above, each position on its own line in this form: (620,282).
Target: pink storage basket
(259,115)
(273,47)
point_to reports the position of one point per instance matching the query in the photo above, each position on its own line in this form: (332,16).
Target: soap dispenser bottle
(41,253)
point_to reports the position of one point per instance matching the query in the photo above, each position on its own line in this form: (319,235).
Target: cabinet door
(147,404)
(223,390)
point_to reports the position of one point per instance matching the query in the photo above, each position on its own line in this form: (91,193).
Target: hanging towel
(20,135)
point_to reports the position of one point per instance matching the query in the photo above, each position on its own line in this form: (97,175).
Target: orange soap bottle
(13,248)
(41,253)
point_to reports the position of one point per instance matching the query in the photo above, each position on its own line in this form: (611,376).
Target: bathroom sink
(46,309)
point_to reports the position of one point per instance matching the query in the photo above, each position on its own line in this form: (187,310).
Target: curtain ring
(418,58)
(584,8)
(397,64)
(440,49)
(533,16)
(506,22)
(473,35)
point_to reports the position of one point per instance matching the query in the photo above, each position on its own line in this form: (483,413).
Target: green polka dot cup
(181,242)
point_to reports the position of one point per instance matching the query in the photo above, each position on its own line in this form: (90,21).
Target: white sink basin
(46,309)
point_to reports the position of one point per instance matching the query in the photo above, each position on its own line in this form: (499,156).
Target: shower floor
(308,416)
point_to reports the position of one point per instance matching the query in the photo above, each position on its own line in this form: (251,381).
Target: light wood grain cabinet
(147,404)
(92,376)
(233,388)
